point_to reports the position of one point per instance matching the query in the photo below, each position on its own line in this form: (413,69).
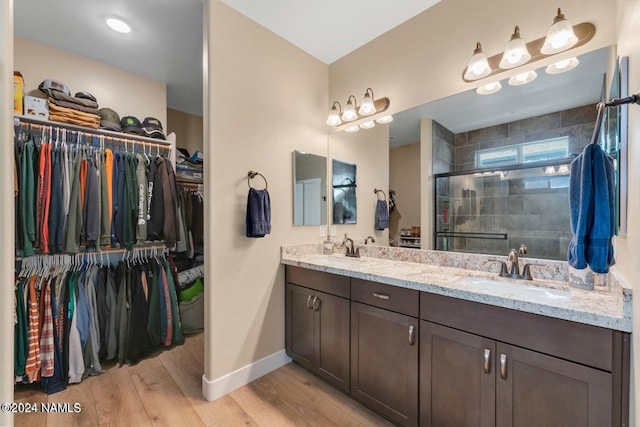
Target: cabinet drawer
(401,300)
(318,280)
(585,344)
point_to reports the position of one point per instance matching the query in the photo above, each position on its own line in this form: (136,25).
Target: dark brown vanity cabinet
(559,374)
(384,349)
(317,323)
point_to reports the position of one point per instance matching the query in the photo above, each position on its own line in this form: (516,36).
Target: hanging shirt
(142,187)
(155,216)
(32,367)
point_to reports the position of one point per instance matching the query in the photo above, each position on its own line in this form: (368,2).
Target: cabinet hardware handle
(487,361)
(381,296)
(309,306)
(503,366)
(412,338)
(316,304)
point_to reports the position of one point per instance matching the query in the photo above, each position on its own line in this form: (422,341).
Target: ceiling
(166,39)
(546,94)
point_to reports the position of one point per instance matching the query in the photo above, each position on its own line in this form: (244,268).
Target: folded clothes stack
(81,109)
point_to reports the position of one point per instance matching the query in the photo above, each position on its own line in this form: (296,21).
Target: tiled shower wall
(538,218)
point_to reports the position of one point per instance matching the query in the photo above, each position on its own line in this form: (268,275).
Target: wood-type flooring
(166,390)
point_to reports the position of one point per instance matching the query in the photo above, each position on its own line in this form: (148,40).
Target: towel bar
(384,196)
(252,175)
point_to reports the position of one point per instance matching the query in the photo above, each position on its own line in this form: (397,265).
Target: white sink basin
(517,288)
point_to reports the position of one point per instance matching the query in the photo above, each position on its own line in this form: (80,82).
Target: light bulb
(385,119)
(352,129)
(560,36)
(562,66)
(478,65)
(349,114)
(367,125)
(367,108)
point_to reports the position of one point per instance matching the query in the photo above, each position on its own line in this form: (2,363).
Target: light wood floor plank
(117,400)
(194,344)
(264,409)
(81,393)
(163,400)
(315,386)
(312,408)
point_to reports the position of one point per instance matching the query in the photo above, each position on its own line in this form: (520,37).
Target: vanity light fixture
(334,114)
(489,88)
(118,25)
(349,114)
(351,129)
(353,113)
(515,52)
(562,66)
(367,108)
(385,119)
(560,36)
(523,78)
(478,65)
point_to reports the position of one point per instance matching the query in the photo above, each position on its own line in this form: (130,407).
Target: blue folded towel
(592,204)
(258,213)
(382,215)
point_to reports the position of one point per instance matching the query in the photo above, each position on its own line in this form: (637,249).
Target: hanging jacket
(155,218)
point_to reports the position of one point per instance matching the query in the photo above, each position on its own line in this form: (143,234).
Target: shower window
(529,152)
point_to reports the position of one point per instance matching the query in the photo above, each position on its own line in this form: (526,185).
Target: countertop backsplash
(551,270)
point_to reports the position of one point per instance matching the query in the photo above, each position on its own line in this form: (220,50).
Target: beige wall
(627,246)
(7,264)
(188,129)
(423,59)
(368,149)
(267,98)
(127,93)
(404,177)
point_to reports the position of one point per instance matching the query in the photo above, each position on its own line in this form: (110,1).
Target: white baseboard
(212,390)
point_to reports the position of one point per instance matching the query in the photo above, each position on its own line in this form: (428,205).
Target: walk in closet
(100,220)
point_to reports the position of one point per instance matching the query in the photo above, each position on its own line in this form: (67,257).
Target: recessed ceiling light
(117,24)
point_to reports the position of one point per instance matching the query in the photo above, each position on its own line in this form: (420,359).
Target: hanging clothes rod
(38,123)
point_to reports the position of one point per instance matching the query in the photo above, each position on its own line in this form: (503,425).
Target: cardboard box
(36,107)
(18,91)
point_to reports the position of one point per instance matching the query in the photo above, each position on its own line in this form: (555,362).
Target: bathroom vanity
(433,345)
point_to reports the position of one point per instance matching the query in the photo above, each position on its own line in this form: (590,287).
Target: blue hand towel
(382,215)
(592,204)
(258,213)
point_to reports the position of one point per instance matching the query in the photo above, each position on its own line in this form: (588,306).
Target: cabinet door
(457,378)
(299,324)
(384,362)
(332,319)
(534,389)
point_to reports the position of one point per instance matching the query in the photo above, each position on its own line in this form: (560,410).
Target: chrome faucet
(351,251)
(367,239)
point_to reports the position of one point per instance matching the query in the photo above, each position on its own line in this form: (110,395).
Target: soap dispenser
(327,246)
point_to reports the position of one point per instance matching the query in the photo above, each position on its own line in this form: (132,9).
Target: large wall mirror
(309,189)
(501,161)
(343,177)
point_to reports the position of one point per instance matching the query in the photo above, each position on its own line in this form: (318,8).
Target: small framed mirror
(309,189)
(344,193)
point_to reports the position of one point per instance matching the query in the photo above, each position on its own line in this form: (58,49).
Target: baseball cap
(152,128)
(109,120)
(86,95)
(54,85)
(131,124)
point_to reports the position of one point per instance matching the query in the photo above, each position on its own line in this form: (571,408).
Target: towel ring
(252,175)
(384,196)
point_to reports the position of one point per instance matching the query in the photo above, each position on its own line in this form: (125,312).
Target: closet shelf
(91,131)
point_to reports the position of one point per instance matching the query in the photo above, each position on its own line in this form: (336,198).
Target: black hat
(109,120)
(152,128)
(86,95)
(131,124)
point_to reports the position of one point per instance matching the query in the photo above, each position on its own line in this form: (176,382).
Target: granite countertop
(606,306)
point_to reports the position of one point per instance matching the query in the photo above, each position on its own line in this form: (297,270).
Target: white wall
(267,98)
(627,246)
(127,93)
(188,129)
